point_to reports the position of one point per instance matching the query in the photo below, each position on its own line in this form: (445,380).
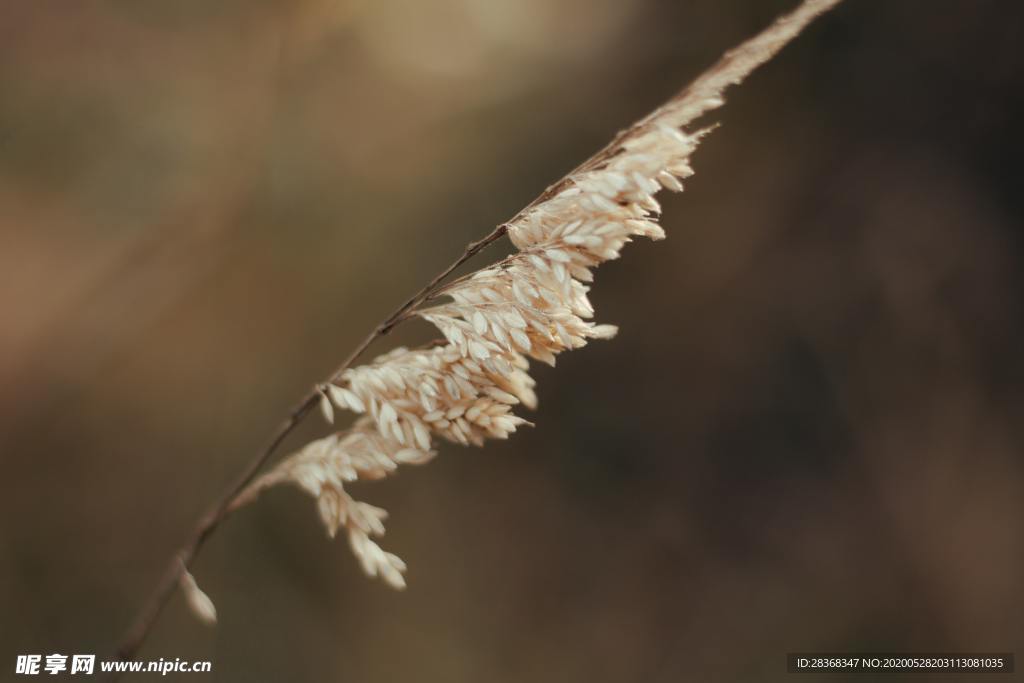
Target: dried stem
(699,97)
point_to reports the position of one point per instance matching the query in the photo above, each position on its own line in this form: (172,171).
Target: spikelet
(531,305)
(198,602)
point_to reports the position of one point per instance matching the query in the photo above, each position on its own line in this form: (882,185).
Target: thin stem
(696,99)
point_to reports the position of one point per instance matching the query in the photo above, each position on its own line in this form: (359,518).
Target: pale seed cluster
(322,468)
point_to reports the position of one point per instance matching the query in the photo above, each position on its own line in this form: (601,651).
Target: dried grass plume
(530,306)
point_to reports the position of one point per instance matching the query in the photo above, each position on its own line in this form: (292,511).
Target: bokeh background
(807,436)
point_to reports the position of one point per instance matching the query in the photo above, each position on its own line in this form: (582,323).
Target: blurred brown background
(808,435)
